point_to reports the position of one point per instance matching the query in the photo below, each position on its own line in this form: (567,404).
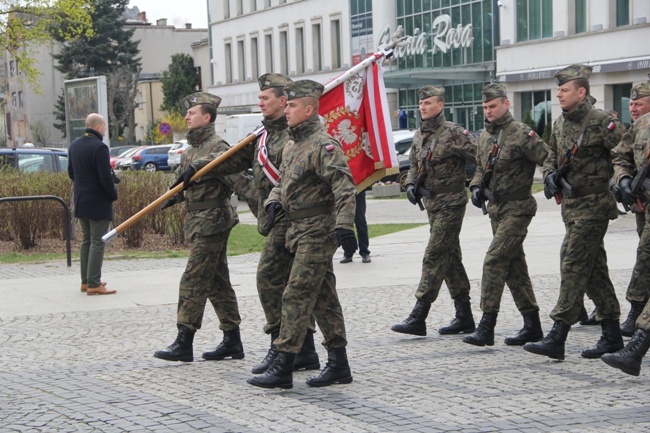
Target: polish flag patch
(330,147)
(611,126)
(531,133)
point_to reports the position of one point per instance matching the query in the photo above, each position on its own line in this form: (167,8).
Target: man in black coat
(94,193)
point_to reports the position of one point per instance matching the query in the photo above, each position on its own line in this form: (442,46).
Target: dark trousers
(361,225)
(91,255)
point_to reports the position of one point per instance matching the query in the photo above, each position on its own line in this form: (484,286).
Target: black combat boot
(278,375)
(415,323)
(610,341)
(589,321)
(463,323)
(583,316)
(553,344)
(531,332)
(629,359)
(181,349)
(337,369)
(629,326)
(484,334)
(307,358)
(270,356)
(230,347)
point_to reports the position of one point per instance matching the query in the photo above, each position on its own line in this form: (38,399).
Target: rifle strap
(578,142)
(497,146)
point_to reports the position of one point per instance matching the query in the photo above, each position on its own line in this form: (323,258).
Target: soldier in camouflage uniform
(589,135)
(275,261)
(437,175)
(316,190)
(628,157)
(207,225)
(508,152)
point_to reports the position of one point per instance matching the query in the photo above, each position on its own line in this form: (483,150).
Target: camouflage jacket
(445,166)
(520,151)
(314,173)
(592,164)
(209,188)
(632,152)
(278,135)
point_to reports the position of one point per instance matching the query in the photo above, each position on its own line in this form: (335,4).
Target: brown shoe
(84,287)
(101,290)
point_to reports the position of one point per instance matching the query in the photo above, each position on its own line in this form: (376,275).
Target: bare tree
(122,87)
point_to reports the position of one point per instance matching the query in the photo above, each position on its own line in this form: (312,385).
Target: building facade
(539,37)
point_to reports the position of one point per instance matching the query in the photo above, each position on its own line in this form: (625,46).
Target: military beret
(493,91)
(201,98)
(571,73)
(270,80)
(640,91)
(303,89)
(429,91)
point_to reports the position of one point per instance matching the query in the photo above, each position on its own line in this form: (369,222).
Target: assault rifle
(565,164)
(422,169)
(637,185)
(487,174)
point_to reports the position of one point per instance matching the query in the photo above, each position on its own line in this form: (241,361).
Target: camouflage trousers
(311,289)
(583,269)
(206,276)
(272,275)
(505,263)
(643,322)
(639,288)
(443,258)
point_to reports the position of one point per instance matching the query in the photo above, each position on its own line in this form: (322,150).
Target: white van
(238,126)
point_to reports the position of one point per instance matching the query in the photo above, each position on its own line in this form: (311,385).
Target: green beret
(201,98)
(303,89)
(493,91)
(429,91)
(640,91)
(270,80)
(571,73)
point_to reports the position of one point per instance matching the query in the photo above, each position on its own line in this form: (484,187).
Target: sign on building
(84,96)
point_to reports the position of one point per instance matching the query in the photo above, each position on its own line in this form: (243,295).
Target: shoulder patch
(611,126)
(330,147)
(465,132)
(531,133)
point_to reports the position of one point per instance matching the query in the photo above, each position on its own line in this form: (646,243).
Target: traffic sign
(164,128)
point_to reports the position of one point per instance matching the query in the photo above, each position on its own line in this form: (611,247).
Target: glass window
(300,51)
(254,67)
(228,62)
(534,19)
(284,53)
(536,111)
(241,61)
(317,45)
(336,44)
(621,94)
(622,12)
(226,9)
(581,16)
(268,52)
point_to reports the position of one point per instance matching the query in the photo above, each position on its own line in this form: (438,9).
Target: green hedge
(26,223)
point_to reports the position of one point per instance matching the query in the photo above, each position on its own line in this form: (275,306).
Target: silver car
(174,159)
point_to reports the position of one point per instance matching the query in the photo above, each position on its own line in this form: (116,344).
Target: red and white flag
(356,114)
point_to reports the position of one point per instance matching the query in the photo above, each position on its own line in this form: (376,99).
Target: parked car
(150,159)
(125,156)
(174,154)
(30,160)
(117,150)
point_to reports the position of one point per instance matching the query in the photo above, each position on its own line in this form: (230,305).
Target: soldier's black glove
(477,198)
(410,194)
(616,191)
(347,240)
(185,178)
(550,185)
(272,210)
(169,203)
(116,179)
(628,198)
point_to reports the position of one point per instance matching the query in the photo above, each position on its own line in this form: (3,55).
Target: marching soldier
(317,192)
(207,225)
(629,156)
(275,261)
(438,155)
(508,153)
(577,173)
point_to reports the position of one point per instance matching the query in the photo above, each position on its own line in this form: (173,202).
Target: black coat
(90,169)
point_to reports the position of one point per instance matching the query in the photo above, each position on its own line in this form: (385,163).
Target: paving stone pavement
(84,364)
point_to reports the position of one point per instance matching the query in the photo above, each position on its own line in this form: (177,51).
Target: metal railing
(66,220)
